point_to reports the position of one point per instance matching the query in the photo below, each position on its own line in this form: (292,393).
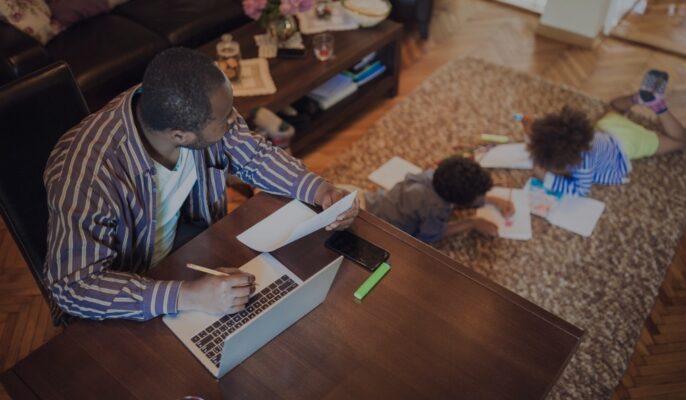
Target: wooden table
(295,78)
(431,329)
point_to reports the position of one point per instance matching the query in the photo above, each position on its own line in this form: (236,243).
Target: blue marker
(518,117)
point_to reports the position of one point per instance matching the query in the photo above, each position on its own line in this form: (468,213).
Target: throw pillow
(31,17)
(68,12)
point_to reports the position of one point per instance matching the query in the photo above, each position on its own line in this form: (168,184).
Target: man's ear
(182,138)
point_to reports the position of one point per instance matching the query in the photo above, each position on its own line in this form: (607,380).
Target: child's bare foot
(622,104)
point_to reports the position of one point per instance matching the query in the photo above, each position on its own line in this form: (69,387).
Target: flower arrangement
(269,10)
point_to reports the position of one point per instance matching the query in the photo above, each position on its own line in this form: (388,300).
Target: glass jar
(229,57)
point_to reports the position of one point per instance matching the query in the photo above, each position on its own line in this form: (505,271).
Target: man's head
(557,140)
(187,97)
(462,182)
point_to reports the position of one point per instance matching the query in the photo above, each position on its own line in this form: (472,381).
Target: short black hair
(177,85)
(461,181)
(558,140)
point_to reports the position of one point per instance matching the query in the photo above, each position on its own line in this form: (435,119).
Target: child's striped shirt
(605,163)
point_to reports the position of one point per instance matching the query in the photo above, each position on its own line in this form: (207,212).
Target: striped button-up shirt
(101,198)
(605,163)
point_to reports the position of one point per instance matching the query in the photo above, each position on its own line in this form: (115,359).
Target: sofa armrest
(19,53)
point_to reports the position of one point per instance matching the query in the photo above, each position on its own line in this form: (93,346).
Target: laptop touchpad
(266,269)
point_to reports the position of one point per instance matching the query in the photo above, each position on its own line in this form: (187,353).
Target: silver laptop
(281,298)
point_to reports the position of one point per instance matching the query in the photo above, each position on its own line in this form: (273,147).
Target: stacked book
(344,84)
(367,69)
(333,91)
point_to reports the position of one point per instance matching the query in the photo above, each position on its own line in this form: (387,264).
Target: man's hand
(484,226)
(327,194)
(538,172)
(217,294)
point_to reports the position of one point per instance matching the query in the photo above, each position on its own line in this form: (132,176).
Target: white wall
(582,17)
(615,13)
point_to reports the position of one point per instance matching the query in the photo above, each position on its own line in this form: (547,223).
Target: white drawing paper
(511,156)
(518,226)
(392,172)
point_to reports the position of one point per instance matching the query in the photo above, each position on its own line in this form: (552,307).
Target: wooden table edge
(15,387)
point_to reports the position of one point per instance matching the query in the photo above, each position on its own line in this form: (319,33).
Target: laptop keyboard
(211,339)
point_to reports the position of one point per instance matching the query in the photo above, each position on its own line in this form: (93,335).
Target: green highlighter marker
(373,279)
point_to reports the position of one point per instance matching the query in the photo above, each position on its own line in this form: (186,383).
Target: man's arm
(256,161)
(80,251)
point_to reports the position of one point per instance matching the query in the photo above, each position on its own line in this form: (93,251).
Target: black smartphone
(290,53)
(357,249)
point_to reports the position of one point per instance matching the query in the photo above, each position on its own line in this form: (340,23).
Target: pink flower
(287,7)
(291,7)
(305,5)
(253,8)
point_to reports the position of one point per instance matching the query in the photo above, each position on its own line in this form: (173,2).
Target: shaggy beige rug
(605,284)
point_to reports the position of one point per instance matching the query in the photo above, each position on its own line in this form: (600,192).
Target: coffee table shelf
(295,78)
(345,110)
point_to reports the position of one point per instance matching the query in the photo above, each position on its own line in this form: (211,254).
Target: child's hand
(506,207)
(485,227)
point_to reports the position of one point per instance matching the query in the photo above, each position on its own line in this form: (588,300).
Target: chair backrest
(35,111)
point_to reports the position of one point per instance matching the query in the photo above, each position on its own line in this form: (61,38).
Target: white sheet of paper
(392,172)
(511,156)
(577,214)
(519,227)
(291,222)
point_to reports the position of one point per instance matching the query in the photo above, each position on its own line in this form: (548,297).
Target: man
(126,180)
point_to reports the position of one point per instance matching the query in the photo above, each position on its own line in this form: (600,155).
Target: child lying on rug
(570,155)
(422,204)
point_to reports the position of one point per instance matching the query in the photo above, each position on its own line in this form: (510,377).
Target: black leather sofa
(108,53)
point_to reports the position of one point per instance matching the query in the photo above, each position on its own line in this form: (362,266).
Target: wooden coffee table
(295,78)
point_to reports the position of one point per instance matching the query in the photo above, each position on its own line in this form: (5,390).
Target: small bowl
(366,18)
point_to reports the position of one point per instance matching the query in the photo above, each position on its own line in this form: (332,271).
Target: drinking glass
(323,46)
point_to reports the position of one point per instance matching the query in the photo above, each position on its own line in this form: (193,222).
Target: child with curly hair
(423,204)
(570,155)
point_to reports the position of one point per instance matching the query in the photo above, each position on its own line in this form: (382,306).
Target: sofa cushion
(183,22)
(19,54)
(68,12)
(107,54)
(32,18)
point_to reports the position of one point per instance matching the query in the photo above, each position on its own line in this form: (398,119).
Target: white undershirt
(173,188)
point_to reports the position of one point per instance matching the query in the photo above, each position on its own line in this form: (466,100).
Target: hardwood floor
(464,28)
(657,23)
(535,6)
